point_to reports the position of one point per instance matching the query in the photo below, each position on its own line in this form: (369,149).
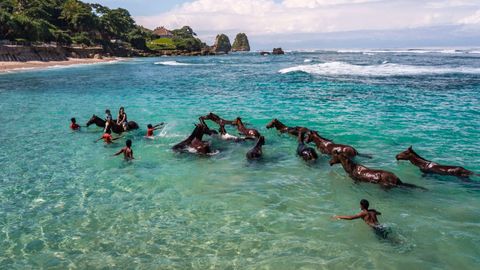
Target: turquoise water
(67,203)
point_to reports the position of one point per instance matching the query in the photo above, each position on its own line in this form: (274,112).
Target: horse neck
(240,124)
(195,134)
(347,164)
(319,140)
(280,125)
(99,121)
(417,160)
(258,144)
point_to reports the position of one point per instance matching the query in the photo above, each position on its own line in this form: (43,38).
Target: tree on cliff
(184,39)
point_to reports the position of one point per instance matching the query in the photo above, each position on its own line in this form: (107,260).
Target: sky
(318,24)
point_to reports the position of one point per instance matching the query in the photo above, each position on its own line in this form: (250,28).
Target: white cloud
(260,17)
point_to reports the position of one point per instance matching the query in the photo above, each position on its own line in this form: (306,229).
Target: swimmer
(127,151)
(370,217)
(107,137)
(74,125)
(151,129)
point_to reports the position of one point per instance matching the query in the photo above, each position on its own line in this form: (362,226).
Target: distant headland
(58,30)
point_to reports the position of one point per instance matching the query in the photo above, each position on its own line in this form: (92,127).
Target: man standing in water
(127,151)
(370,217)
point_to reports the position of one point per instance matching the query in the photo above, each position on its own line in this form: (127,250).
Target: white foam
(307,60)
(172,63)
(387,69)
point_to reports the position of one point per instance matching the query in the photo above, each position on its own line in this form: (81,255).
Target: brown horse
(363,174)
(249,132)
(115,128)
(195,140)
(215,118)
(307,153)
(327,146)
(275,123)
(256,151)
(427,166)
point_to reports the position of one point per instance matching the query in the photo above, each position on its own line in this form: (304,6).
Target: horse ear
(410,148)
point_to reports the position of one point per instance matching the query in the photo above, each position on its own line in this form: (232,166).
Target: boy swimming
(370,217)
(127,151)
(107,137)
(73,124)
(151,129)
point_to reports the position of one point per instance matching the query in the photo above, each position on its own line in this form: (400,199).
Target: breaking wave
(172,63)
(386,69)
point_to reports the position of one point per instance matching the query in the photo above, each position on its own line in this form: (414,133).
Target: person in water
(151,129)
(107,137)
(127,151)
(73,124)
(370,217)
(108,120)
(122,118)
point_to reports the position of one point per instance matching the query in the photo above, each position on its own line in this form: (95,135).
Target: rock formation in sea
(222,44)
(241,43)
(278,51)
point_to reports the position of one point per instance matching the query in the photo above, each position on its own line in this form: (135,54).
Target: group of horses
(339,153)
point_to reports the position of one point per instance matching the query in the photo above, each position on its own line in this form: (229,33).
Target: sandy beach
(15,66)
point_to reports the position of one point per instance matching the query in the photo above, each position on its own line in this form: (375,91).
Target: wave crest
(386,69)
(172,63)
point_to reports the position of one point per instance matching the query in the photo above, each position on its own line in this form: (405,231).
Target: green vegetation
(75,22)
(161,44)
(66,22)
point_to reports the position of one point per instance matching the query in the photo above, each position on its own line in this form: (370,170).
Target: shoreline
(14,66)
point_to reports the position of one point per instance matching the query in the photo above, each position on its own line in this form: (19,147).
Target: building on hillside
(162,32)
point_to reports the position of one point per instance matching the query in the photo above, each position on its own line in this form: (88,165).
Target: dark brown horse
(427,166)
(249,132)
(215,118)
(307,153)
(195,142)
(363,174)
(275,123)
(327,146)
(115,128)
(256,151)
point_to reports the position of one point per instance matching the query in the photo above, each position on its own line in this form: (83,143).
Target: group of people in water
(339,153)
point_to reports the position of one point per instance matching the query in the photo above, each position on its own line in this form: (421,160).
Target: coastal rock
(97,56)
(241,43)
(278,51)
(222,44)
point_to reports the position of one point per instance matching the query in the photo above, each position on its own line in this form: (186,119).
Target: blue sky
(309,24)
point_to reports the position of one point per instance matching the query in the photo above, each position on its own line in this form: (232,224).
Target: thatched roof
(162,31)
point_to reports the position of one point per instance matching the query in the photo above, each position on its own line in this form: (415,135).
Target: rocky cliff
(45,53)
(222,44)
(241,43)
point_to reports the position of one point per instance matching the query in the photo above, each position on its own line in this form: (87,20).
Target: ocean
(66,202)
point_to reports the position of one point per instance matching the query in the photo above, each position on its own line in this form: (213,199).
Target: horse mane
(417,155)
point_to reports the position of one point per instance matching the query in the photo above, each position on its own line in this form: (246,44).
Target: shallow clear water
(67,203)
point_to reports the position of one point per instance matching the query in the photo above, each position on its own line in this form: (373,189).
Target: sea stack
(278,51)
(222,44)
(241,43)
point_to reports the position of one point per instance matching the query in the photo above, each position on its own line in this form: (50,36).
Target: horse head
(272,123)
(405,155)
(92,120)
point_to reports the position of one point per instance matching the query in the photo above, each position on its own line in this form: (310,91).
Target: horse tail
(365,155)
(408,185)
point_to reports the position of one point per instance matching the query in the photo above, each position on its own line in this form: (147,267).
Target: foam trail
(172,63)
(387,69)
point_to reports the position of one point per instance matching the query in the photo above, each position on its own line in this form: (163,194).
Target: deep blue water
(67,203)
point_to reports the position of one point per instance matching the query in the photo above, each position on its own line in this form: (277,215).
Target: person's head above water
(149,126)
(73,120)
(364,204)
(129,143)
